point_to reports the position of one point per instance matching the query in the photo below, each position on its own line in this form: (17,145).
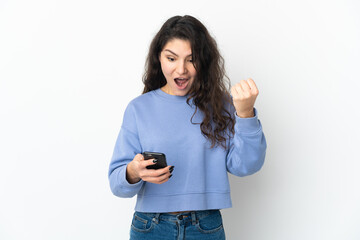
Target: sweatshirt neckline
(170,97)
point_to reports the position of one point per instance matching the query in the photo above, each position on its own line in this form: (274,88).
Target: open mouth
(181,82)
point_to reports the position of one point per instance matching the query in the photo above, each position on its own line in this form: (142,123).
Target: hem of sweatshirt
(183,202)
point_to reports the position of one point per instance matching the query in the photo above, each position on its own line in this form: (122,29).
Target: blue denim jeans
(189,225)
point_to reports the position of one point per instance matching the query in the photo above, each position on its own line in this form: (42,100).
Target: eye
(190,60)
(170,59)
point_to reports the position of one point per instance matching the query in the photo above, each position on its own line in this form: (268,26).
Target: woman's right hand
(136,170)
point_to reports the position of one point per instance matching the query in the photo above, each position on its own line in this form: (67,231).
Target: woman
(187,113)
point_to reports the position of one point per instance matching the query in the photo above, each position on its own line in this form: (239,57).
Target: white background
(69,68)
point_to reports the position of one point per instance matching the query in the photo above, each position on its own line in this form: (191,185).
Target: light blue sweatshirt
(159,122)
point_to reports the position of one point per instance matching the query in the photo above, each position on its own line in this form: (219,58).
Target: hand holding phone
(159,157)
(137,169)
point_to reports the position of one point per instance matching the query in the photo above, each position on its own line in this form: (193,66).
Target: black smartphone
(160,157)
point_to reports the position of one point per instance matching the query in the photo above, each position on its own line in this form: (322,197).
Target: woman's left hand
(244,95)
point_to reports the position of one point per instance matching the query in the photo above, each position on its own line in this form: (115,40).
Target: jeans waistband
(195,216)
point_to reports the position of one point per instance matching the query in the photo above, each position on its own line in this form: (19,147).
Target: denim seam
(209,231)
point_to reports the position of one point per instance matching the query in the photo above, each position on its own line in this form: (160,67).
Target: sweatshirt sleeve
(247,147)
(126,147)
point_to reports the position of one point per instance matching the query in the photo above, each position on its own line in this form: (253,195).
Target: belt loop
(156,218)
(193,218)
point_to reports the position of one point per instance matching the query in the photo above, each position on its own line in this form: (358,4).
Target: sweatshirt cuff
(247,125)
(124,181)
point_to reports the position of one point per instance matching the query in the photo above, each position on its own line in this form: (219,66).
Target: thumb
(139,157)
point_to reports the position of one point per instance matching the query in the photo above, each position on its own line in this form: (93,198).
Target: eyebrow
(175,53)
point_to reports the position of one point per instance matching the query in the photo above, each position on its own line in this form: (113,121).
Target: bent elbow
(258,161)
(250,167)
(120,188)
(122,192)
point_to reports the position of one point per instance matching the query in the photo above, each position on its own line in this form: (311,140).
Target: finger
(166,179)
(139,157)
(239,90)
(253,86)
(245,86)
(236,89)
(157,176)
(160,172)
(158,180)
(153,173)
(148,162)
(233,91)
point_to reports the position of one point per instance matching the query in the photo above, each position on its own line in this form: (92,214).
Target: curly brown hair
(210,90)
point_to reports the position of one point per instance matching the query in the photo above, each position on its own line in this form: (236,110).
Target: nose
(181,68)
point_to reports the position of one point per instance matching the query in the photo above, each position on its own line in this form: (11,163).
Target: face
(177,67)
